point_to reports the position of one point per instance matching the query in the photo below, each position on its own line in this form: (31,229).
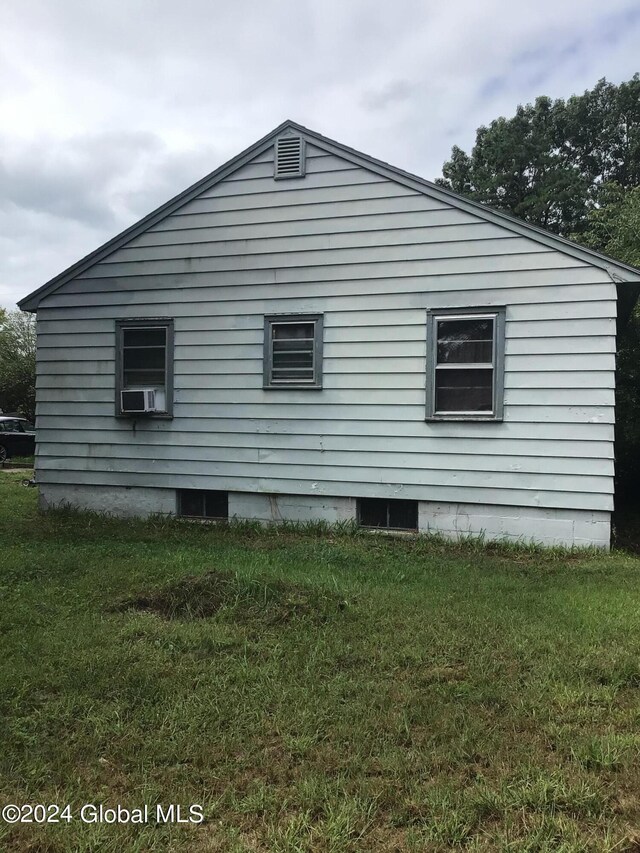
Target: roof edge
(605,262)
(31,301)
(610,265)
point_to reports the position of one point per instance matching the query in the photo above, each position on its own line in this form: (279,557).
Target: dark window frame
(389,502)
(498,315)
(270,320)
(145,323)
(203,495)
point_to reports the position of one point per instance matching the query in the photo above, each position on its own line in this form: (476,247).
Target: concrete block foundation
(549,527)
(123,501)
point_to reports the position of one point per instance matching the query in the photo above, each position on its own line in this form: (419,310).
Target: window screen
(465,367)
(293,352)
(193,503)
(144,357)
(391,514)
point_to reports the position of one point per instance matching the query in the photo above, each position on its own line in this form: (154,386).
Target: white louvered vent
(289,161)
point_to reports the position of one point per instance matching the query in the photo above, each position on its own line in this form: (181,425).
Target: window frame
(145,323)
(498,315)
(318,344)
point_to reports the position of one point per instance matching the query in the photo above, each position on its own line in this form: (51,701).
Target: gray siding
(372,256)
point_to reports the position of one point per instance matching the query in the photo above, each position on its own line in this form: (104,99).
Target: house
(310,333)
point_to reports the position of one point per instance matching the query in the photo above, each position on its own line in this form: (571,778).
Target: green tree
(18,363)
(548,163)
(613,227)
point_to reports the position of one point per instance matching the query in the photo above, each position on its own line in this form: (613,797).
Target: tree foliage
(549,162)
(18,363)
(613,227)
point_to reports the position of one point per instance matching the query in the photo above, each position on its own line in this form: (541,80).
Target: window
(390,514)
(144,362)
(293,351)
(11,426)
(465,364)
(193,503)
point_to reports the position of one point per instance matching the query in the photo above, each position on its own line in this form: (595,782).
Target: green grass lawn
(314,691)
(18,461)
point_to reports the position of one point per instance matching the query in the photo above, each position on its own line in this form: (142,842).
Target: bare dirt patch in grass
(205,595)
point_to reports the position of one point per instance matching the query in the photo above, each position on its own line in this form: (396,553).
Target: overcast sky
(110,107)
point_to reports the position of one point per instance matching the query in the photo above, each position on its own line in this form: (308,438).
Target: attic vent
(289,157)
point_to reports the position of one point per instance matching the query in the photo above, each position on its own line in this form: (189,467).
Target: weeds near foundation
(162,524)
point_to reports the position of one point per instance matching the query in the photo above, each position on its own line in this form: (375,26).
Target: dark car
(17,438)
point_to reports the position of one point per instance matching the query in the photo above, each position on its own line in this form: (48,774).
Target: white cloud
(108,109)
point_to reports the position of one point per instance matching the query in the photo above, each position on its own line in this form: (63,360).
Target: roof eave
(605,262)
(32,300)
(614,268)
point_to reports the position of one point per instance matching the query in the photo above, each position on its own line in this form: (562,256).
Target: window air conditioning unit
(138,402)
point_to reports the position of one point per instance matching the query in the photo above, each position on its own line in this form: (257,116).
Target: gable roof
(618,271)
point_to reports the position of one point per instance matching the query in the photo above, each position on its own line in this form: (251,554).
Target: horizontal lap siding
(556,312)
(65,375)
(363,405)
(142,476)
(479,481)
(399,227)
(549,440)
(341,457)
(216,295)
(394,346)
(324,250)
(372,256)
(443,450)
